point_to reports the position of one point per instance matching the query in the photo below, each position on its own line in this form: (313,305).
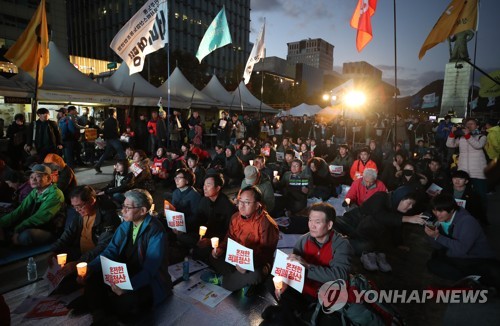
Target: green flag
(488,86)
(216,36)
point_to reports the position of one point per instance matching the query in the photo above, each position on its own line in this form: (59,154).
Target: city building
(93,24)
(317,53)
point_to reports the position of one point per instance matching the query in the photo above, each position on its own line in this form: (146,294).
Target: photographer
(472,160)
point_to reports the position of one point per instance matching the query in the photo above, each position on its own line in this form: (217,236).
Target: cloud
(411,82)
(265,5)
(390,68)
(296,8)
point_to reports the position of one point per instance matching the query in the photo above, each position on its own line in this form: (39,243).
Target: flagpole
(34,105)
(468,111)
(395,77)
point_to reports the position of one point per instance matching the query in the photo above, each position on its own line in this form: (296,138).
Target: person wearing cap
(38,219)
(112,137)
(253,177)
(492,146)
(43,135)
(61,113)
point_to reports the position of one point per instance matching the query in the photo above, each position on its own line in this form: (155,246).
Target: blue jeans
(110,144)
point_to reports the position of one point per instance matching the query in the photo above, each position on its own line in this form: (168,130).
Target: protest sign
(176,220)
(115,273)
(237,254)
(292,272)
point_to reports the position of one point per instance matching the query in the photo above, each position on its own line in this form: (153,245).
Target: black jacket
(120,185)
(105,224)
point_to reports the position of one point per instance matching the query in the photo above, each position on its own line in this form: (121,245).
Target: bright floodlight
(355,98)
(326,97)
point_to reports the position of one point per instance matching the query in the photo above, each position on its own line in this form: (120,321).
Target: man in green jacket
(492,146)
(38,219)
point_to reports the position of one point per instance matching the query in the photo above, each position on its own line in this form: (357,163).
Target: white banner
(145,33)
(292,272)
(258,52)
(237,254)
(115,273)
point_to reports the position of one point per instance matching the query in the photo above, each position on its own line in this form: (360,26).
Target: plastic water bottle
(185,269)
(31,269)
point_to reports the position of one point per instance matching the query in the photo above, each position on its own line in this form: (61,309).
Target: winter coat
(471,159)
(492,146)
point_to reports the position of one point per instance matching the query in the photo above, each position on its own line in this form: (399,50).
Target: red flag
(361,20)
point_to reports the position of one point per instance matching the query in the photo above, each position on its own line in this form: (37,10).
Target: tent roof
(302,109)
(250,101)
(215,90)
(9,87)
(122,82)
(181,87)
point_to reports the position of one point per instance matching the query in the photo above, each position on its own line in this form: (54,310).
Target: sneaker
(211,277)
(382,263)
(97,169)
(369,261)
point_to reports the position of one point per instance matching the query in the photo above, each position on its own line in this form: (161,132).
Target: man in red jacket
(364,188)
(326,256)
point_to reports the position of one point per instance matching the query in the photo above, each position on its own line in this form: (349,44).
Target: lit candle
(203,231)
(81,269)
(278,284)
(251,162)
(348,201)
(275,173)
(215,242)
(61,259)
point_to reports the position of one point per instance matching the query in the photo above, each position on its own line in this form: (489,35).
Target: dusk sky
(294,20)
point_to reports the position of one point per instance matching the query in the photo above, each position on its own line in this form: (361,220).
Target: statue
(460,51)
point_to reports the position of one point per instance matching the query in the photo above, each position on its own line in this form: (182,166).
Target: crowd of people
(432,176)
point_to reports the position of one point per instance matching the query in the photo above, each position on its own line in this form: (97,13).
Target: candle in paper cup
(251,162)
(61,259)
(215,242)
(348,201)
(81,268)
(203,230)
(278,282)
(275,173)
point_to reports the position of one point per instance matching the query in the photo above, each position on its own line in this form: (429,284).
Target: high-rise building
(93,24)
(317,53)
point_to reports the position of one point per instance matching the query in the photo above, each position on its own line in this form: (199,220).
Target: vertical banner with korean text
(145,33)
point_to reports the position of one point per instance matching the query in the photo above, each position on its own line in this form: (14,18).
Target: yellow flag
(460,15)
(488,87)
(31,49)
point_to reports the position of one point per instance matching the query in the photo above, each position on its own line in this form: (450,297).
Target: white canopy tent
(180,87)
(250,102)
(215,90)
(302,109)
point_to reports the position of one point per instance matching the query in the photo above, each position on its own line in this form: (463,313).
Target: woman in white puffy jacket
(472,160)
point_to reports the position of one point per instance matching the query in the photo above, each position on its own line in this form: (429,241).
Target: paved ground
(409,272)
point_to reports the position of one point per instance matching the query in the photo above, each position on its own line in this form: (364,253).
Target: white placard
(116,273)
(237,254)
(434,189)
(292,272)
(135,169)
(336,169)
(176,220)
(222,124)
(280,156)
(461,202)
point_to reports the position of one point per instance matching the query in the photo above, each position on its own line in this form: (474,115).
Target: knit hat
(251,174)
(40,168)
(400,194)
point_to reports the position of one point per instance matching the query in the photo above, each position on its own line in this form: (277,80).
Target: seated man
(253,228)
(363,162)
(364,188)
(140,242)
(461,245)
(214,212)
(295,185)
(260,163)
(39,218)
(90,231)
(324,253)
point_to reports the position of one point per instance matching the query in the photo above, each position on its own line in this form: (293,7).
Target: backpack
(364,313)
(68,130)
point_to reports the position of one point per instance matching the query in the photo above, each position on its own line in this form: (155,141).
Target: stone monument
(457,76)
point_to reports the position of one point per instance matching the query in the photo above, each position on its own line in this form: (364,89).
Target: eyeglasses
(78,207)
(128,208)
(245,203)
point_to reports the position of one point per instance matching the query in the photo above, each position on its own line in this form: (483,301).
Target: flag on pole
(459,16)
(216,36)
(488,87)
(361,20)
(258,52)
(31,49)
(145,33)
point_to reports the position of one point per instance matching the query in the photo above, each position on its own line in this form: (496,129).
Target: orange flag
(31,49)
(459,16)
(361,20)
